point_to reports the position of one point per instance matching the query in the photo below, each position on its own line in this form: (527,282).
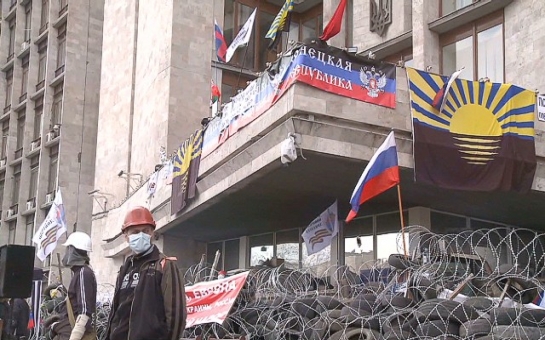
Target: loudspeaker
(16,271)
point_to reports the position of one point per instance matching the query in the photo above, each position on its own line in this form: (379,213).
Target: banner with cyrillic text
(211,301)
(327,68)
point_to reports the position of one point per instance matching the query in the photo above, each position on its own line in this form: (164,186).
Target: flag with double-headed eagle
(321,230)
(481,137)
(185,171)
(51,229)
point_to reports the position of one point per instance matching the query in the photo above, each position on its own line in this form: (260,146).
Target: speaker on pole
(16,271)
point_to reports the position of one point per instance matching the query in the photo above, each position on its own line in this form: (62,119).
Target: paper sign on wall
(541,107)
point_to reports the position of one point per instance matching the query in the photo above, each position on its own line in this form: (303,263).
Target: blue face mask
(139,243)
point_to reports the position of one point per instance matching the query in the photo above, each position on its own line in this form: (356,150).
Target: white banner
(51,229)
(242,38)
(152,184)
(541,107)
(321,231)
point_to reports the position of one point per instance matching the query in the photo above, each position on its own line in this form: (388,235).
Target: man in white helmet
(75,315)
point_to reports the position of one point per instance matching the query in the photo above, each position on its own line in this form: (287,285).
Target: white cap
(79,240)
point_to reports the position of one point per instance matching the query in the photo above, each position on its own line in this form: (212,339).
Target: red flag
(334,25)
(31,321)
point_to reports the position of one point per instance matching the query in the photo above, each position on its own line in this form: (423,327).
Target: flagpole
(242,67)
(401,219)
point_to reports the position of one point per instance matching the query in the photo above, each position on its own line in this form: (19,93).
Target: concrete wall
(401,23)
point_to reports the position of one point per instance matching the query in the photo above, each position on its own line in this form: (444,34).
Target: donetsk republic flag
(483,140)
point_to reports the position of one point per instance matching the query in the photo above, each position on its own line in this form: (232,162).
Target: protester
(149,298)
(80,304)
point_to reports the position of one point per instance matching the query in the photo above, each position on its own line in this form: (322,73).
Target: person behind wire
(149,297)
(76,313)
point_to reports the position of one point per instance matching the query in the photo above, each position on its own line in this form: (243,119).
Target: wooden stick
(502,296)
(60,268)
(461,286)
(402,221)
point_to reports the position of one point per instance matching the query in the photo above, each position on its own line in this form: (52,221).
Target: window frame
(5,135)
(24,75)
(44,15)
(28,22)
(16,188)
(20,130)
(38,117)
(42,61)
(472,30)
(29,233)
(9,87)
(53,167)
(56,107)
(11,38)
(61,47)
(33,181)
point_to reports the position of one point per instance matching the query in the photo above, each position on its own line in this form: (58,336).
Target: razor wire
(470,285)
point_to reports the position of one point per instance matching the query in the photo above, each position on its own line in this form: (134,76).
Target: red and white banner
(211,301)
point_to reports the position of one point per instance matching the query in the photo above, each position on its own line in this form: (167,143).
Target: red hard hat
(138,216)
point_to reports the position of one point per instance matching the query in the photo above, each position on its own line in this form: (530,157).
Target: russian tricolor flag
(381,174)
(221,46)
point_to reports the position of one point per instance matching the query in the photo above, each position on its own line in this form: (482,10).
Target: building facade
(156,87)
(50,53)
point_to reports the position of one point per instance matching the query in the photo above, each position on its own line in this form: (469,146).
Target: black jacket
(17,313)
(158,308)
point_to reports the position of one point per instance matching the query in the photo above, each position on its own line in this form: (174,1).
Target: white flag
(321,231)
(451,80)
(242,38)
(51,229)
(152,184)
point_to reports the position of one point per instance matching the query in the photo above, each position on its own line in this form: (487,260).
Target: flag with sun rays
(482,140)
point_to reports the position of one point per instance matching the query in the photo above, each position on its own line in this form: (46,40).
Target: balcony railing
(10,56)
(19,153)
(36,143)
(22,98)
(7,108)
(40,85)
(63,10)
(15,209)
(31,203)
(59,71)
(12,4)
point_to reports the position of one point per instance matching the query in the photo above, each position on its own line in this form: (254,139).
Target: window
(2,185)
(20,133)
(358,243)
(11,234)
(56,109)
(44,20)
(63,6)
(11,46)
(388,231)
(61,47)
(261,249)
(42,63)
(53,162)
(38,114)
(5,136)
(24,77)
(33,177)
(405,56)
(229,87)
(449,6)
(478,47)
(232,252)
(9,87)
(257,54)
(16,185)
(28,21)
(287,247)
(29,229)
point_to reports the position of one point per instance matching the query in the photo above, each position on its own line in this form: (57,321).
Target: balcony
(3,163)
(35,147)
(63,10)
(18,153)
(52,137)
(30,206)
(40,85)
(10,57)
(22,98)
(12,212)
(7,109)
(43,28)
(59,71)
(49,198)
(12,4)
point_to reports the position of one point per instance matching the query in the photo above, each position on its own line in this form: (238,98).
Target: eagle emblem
(372,80)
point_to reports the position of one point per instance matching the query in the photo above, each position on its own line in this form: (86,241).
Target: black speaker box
(16,271)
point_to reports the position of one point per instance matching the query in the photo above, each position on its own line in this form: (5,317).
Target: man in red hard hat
(149,298)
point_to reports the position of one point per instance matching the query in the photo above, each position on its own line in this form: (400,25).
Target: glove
(79,327)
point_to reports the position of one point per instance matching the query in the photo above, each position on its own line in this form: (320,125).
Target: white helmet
(79,240)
